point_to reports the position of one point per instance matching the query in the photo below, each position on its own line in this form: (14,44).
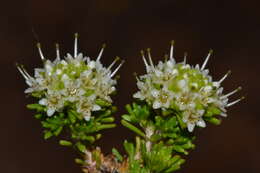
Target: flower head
(75,80)
(184,88)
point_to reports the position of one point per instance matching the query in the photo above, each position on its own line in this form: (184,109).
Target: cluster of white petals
(75,80)
(187,89)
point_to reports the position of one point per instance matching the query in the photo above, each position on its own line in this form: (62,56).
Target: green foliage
(164,139)
(80,134)
(159,159)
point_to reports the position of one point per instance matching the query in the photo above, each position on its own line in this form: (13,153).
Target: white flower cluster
(179,86)
(75,80)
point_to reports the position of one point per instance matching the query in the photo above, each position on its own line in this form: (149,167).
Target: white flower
(171,85)
(76,79)
(53,102)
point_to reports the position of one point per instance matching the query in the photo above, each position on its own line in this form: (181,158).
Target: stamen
(40,50)
(185,57)
(22,72)
(150,57)
(145,62)
(57,51)
(25,72)
(76,35)
(224,77)
(231,93)
(101,52)
(118,67)
(236,101)
(171,51)
(113,63)
(206,60)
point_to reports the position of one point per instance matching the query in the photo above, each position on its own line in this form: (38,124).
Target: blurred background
(230,27)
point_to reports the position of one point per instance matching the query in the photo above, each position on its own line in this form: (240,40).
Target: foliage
(78,132)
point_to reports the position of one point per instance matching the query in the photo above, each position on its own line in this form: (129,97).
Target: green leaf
(81,147)
(126,117)
(58,131)
(79,161)
(47,134)
(213,120)
(98,136)
(105,126)
(129,109)
(108,120)
(133,128)
(130,149)
(38,116)
(102,103)
(36,107)
(212,111)
(91,139)
(117,154)
(65,143)
(72,117)
(180,149)
(113,109)
(182,124)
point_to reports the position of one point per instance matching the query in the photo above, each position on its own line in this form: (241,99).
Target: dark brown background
(229,27)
